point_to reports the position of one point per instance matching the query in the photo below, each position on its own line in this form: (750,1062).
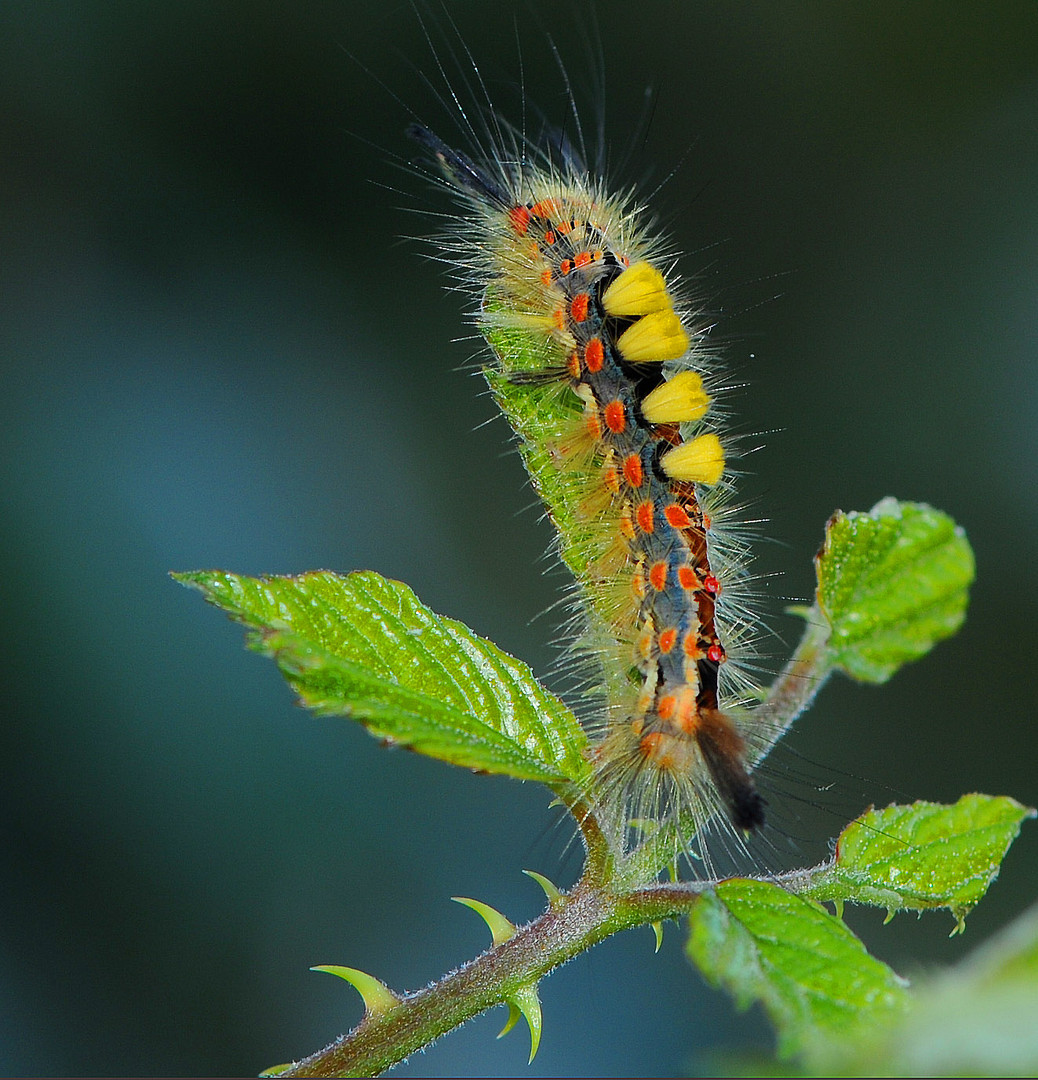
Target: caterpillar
(603,370)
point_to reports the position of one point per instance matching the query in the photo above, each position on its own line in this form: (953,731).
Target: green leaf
(365,647)
(891,583)
(976,1019)
(814,978)
(922,856)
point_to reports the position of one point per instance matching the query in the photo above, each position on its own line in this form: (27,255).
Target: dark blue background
(216,353)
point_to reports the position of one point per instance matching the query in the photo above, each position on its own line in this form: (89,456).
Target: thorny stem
(584,917)
(591,912)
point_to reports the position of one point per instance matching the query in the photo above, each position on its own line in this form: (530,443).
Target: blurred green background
(217,352)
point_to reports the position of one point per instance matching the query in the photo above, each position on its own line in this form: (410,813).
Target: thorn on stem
(550,891)
(526,1001)
(500,927)
(378,998)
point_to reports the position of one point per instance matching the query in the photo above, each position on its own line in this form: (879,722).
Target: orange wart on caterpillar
(601,370)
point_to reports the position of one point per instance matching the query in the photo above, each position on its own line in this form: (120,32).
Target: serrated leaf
(814,978)
(892,583)
(365,647)
(922,856)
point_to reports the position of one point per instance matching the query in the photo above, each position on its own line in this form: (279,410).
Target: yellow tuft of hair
(610,562)
(677,400)
(654,338)
(639,290)
(596,502)
(700,461)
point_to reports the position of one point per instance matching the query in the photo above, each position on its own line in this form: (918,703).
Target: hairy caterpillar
(603,371)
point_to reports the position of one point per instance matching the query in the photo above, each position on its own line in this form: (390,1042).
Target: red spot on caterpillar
(688,711)
(519,217)
(656,594)
(658,575)
(638,582)
(633,470)
(615,417)
(643,515)
(594,354)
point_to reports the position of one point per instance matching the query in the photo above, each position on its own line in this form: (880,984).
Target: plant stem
(583,918)
(591,912)
(794,690)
